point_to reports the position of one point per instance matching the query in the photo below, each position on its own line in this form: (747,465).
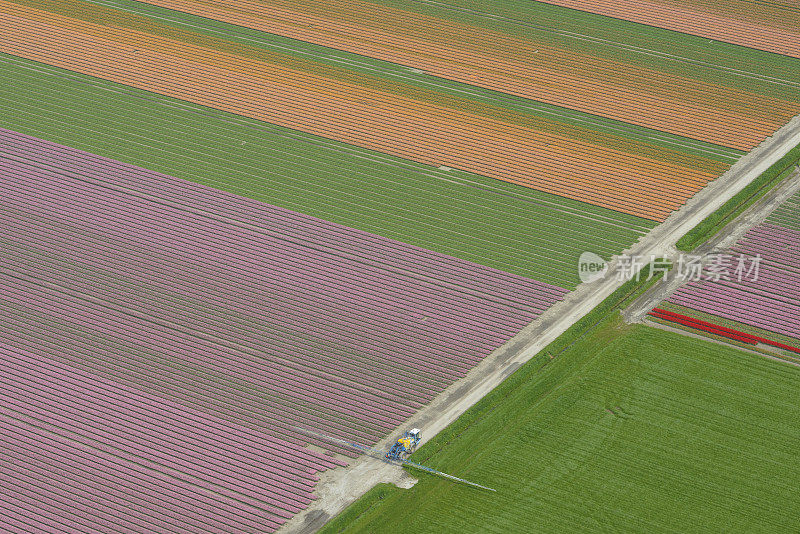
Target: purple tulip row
(285,223)
(176,336)
(122,458)
(772,300)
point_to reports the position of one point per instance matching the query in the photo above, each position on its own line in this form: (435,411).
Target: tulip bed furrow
(204,373)
(124,457)
(718,330)
(172,336)
(487,221)
(769,302)
(787,215)
(196,198)
(419,130)
(530,67)
(205,383)
(393,77)
(698,325)
(763,25)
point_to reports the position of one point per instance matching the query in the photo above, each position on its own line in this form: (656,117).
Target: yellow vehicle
(405,445)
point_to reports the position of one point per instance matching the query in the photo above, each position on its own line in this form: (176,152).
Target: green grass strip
(755,190)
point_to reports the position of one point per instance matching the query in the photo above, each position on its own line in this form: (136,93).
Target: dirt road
(341,487)
(753,216)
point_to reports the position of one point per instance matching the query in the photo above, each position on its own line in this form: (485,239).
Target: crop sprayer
(397,454)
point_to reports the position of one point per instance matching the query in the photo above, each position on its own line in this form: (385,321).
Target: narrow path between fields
(753,216)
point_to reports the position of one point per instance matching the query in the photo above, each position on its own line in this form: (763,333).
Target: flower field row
(718,330)
(767,26)
(228,226)
(119,458)
(426,132)
(530,67)
(770,301)
(245,318)
(486,221)
(391,77)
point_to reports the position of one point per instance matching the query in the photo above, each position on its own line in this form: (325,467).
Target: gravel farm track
(636,312)
(340,487)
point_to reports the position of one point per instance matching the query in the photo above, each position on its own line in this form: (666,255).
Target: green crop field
(513,228)
(630,429)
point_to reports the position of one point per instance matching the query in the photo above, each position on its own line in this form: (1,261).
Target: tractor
(402,447)
(405,445)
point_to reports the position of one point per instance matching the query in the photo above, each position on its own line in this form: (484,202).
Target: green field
(629,429)
(502,225)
